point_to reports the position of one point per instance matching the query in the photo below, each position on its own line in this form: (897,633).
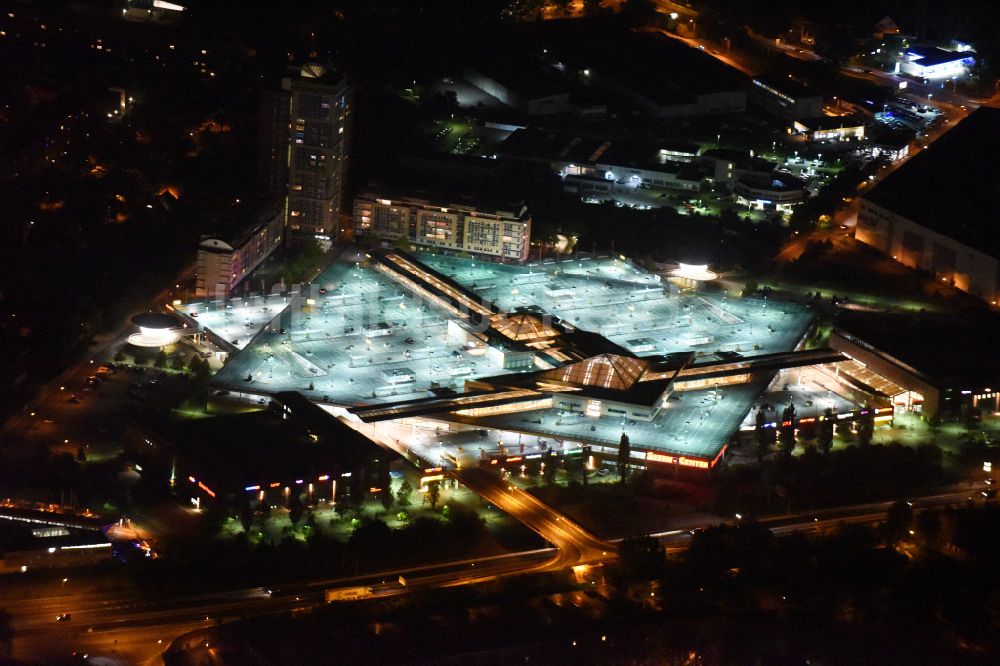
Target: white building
(224,260)
(936,63)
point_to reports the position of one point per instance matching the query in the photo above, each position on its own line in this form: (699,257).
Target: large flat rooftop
(361,338)
(951,186)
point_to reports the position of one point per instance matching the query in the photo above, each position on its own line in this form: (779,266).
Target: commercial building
(831,128)
(319,145)
(937,212)
(924,363)
(447,223)
(649,71)
(416,349)
(249,235)
(729,165)
(931,62)
(292,450)
(156,330)
(590,164)
(776,191)
(523,84)
(783,97)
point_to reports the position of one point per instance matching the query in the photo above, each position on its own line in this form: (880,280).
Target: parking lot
(359,338)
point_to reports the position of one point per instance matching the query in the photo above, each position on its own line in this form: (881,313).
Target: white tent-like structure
(156,329)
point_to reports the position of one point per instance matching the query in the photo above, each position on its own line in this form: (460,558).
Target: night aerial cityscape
(452,332)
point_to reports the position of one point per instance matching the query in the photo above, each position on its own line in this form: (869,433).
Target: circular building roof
(156,321)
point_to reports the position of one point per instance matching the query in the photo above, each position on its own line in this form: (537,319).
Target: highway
(136,627)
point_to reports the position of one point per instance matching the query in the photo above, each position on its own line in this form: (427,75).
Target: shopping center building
(453,361)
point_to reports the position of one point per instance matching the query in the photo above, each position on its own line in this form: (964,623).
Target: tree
(6,634)
(178,362)
(750,288)
(404,493)
(898,519)
(81,455)
(593,7)
(549,472)
(200,369)
(385,496)
(402,243)
(295,508)
(244,512)
(760,436)
(161,359)
(119,356)
(934,424)
(639,10)
(825,436)
(641,558)
(624,455)
(434,493)
(866,426)
(787,432)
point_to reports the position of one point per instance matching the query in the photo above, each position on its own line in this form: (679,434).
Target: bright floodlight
(696,272)
(155,330)
(160,4)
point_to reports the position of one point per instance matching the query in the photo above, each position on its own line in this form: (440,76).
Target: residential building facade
(319,143)
(495,231)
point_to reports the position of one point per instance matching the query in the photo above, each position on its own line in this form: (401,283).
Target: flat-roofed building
(592,164)
(936,363)
(785,98)
(938,212)
(245,239)
(831,128)
(522,84)
(928,62)
(449,223)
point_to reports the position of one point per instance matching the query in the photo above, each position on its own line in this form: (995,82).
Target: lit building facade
(224,261)
(491,231)
(936,63)
(319,142)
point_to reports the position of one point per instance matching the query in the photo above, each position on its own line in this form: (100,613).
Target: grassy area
(340,522)
(846,267)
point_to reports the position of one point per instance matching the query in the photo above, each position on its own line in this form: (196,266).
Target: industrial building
(590,164)
(785,98)
(292,447)
(647,71)
(900,356)
(937,212)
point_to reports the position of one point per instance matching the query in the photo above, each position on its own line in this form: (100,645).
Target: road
(136,627)
(575,545)
(64,426)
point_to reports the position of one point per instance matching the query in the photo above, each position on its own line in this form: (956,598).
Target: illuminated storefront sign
(683,461)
